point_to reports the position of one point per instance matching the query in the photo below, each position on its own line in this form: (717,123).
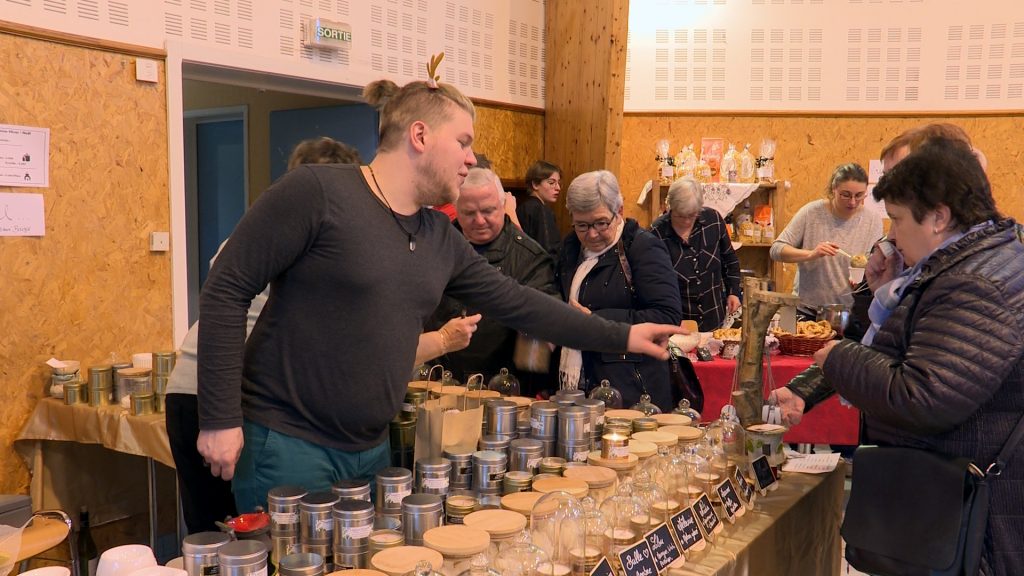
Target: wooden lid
(479,393)
(594,476)
(683,433)
(672,420)
(400,560)
(423,384)
(135,371)
(657,437)
(642,449)
(520,400)
(627,463)
(769,429)
(357,572)
(448,390)
(577,488)
(456,540)
(521,502)
(497,523)
(620,413)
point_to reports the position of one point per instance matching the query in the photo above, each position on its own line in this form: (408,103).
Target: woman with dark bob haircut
(945,370)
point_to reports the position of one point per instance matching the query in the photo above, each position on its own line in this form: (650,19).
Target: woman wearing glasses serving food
(825,237)
(611,267)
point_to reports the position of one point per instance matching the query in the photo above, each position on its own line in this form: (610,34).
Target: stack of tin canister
(163,364)
(316,525)
(283,506)
(101,385)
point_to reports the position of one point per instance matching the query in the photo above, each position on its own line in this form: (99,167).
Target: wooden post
(759,307)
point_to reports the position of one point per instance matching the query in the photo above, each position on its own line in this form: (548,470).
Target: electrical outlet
(159,241)
(147,70)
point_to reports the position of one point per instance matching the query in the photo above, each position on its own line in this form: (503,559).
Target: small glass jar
(558,526)
(619,512)
(520,558)
(504,383)
(685,409)
(646,406)
(611,397)
(597,541)
(458,506)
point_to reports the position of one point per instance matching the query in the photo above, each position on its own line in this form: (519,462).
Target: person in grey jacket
(945,369)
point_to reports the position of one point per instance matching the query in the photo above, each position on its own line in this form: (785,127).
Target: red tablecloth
(829,423)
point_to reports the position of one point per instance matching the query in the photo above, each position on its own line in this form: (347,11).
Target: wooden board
(456,540)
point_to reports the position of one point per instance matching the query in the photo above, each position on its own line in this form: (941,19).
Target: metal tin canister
(159,403)
(550,446)
(163,362)
(300,564)
(322,550)
(433,476)
(385,538)
(458,506)
(421,512)
(393,485)
(574,395)
(101,385)
(495,442)
(596,408)
(281,546)
(348,489)
(552,465)
(243,558)
(573,425)
(76,393)
(316,524)
(544,420)
(489,469)
(143,404)
(574,452)
(413,399)
(501,416)
(403,442)
(645,424)
(199,552)
(283,506)
(462,470)
(120,390)
(353,524)
(517,481)
(525,455)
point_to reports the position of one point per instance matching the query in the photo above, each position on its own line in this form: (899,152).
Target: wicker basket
(791,345)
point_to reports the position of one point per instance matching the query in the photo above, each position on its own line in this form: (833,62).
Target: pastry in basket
(808,329)
(725,334)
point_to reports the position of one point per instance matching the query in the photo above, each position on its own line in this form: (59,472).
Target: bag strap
(996,468)
(620,248)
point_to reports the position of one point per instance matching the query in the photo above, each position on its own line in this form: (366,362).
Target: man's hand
(457,332)
(652,339)
(221,449)
(791,405)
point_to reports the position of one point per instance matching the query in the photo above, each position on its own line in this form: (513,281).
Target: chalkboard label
(637,560)
(684,524)
(763,473)
(730,500)
(663,547)
(745,488)
(603,568)
(706,516)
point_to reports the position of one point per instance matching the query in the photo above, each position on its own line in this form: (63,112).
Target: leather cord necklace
(410,235)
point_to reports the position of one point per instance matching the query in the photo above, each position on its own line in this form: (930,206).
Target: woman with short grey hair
(611,267)
(706,266)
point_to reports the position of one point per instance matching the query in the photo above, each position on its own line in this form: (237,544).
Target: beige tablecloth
(792,531)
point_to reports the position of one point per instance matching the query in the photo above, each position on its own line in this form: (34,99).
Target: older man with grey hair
(480,215)
(707,268)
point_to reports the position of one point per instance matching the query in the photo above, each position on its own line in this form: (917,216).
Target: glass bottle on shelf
(504,383)
(646,406)
(611,397)
(730,166)
(747,166)
(689,161)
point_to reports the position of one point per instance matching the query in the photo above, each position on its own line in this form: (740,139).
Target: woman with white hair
(611,267)
(707,268)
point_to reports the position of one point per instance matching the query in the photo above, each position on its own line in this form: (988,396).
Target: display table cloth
(793,530)
(829,423)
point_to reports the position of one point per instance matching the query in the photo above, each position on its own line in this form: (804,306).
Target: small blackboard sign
(663,546)
(637,560)
(603,568)
(706,515)
(684,524)
(731,502)
(744,487)
(763,473)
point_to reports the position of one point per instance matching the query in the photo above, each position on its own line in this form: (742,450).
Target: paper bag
(442,425)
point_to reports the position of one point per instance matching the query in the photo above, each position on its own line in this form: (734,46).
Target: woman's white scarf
(571,364)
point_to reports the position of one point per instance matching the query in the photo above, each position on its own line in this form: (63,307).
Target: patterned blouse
(706,266)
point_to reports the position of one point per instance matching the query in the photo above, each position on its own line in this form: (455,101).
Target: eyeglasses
(858,197)
(599,225)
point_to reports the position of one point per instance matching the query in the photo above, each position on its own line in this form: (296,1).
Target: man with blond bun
(356,264)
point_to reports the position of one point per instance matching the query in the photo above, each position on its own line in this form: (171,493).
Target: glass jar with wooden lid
(457,544)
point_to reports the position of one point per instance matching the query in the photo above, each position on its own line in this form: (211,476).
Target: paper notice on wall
(24,156)
(22,215)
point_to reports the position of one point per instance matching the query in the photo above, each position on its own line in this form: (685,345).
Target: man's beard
(432,188)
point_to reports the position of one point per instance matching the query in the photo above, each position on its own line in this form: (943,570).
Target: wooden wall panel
(511,139)
(809,148)
(585,85)
(90,287)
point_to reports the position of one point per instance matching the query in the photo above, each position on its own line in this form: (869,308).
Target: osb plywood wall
(511,139)
(810,147)
(89,287)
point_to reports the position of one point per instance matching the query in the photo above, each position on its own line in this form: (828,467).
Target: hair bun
(378,92)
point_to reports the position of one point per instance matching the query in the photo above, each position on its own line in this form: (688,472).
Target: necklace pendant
(412,243)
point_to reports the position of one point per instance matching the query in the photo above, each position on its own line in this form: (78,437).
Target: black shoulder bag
(685,383)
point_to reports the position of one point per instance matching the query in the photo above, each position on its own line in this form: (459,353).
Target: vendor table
(792,530)
(829,423)
(63,476)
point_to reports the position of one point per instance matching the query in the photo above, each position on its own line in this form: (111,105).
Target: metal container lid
(458,456)
(544,408)
(286,494)
(301,563)
(434,465)
(562,401)
(242,553)
(573,412)
(526,445)
(318,501)
(394,475)
(353,509)
(494,442)
(461,502)
(118,366)
(500,406)
(202,543)
(78,386)
(422,503)
(135,371)
(351,487)
(518,478)
(489,457)
(101,368)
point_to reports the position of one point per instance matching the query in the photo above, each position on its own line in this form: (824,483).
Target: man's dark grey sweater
(330,357)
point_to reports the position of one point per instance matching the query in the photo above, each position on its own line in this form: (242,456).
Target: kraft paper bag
(442,425)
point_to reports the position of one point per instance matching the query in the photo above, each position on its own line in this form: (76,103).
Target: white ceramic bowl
(124,560)
(48,571)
